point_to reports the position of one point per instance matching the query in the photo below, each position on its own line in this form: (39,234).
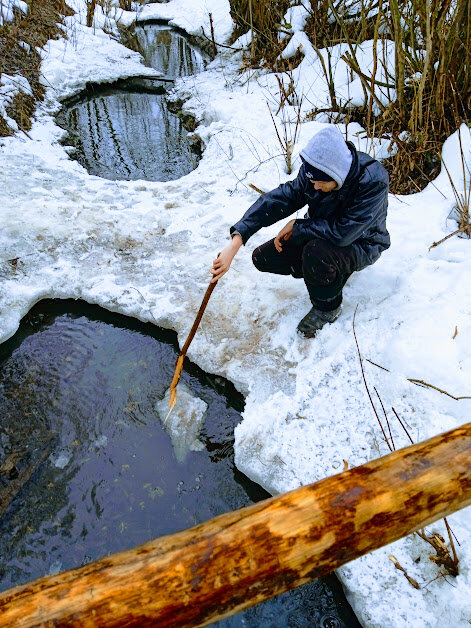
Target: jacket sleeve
(271,207)
(348,227)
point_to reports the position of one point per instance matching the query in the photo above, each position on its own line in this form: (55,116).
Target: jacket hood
(327,151)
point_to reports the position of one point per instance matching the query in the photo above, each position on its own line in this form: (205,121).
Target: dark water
(111,479)
(168,51)
(128,132)
(128,136)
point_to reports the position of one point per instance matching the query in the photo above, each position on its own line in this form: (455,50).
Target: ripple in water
(111,479)
(122,135)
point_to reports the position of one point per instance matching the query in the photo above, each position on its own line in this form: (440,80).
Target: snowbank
(144,249)
(321,67)
(69,64)
(193,16)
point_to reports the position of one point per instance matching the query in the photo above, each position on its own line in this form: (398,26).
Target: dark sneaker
(316,319)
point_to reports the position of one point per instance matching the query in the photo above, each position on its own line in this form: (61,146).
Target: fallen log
(236,560)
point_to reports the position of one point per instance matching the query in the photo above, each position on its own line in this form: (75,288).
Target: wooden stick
(254,187)
(213,41)
(239,559)
(181,357)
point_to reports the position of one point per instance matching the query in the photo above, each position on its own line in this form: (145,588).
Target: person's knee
(316,249)
(258,258)
(317,267)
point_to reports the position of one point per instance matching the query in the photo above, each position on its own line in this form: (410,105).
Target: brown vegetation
(263,18)
(433,82)
(432,75)
(34,29)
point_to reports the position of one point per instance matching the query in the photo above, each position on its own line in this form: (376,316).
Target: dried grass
(35,29)
(432,70)
(263,18)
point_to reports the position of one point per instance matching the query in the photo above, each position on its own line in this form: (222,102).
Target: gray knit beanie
(328,152)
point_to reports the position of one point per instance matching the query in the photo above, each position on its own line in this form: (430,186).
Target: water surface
(126,131)
(169,51)
(111,479)
(129,136)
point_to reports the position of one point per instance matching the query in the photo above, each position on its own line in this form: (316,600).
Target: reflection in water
(169,52)
(112,479)
(127,136)
(121,135)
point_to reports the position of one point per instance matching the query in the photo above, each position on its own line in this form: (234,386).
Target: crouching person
(343,231)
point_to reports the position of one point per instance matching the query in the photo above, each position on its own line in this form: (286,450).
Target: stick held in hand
(181,357)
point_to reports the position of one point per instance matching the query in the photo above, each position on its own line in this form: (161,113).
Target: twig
(443,556)
(440,575)
(215,50)
(449,530)
(366,385)
(254,169)
(396,564)
(419,382)
(378,365)
(402,425)
(386,417)
(203,34)
(254,187)
(450,235)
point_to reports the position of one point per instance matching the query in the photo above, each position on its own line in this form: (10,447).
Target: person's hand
(224,260)
(284,235)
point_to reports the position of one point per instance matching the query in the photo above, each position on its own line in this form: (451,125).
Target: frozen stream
(112,479)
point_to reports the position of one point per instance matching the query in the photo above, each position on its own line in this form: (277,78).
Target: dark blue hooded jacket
(354,214)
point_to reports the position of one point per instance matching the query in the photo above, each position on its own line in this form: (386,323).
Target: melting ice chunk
(56,567)
(62,459)
(185,421)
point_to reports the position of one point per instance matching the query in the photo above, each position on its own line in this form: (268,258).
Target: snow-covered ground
(144,249)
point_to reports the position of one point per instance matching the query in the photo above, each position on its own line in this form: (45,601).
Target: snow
(69,64)
(193,16)
(7,8)
(144,249)
(322,66)
(296,17)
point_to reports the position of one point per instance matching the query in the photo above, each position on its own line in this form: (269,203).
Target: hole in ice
(168,50)
(127,131)
(78,391)
(128,135)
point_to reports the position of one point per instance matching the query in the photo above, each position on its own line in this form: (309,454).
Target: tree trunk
(225,565)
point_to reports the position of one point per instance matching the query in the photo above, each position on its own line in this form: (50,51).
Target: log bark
(241,558)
